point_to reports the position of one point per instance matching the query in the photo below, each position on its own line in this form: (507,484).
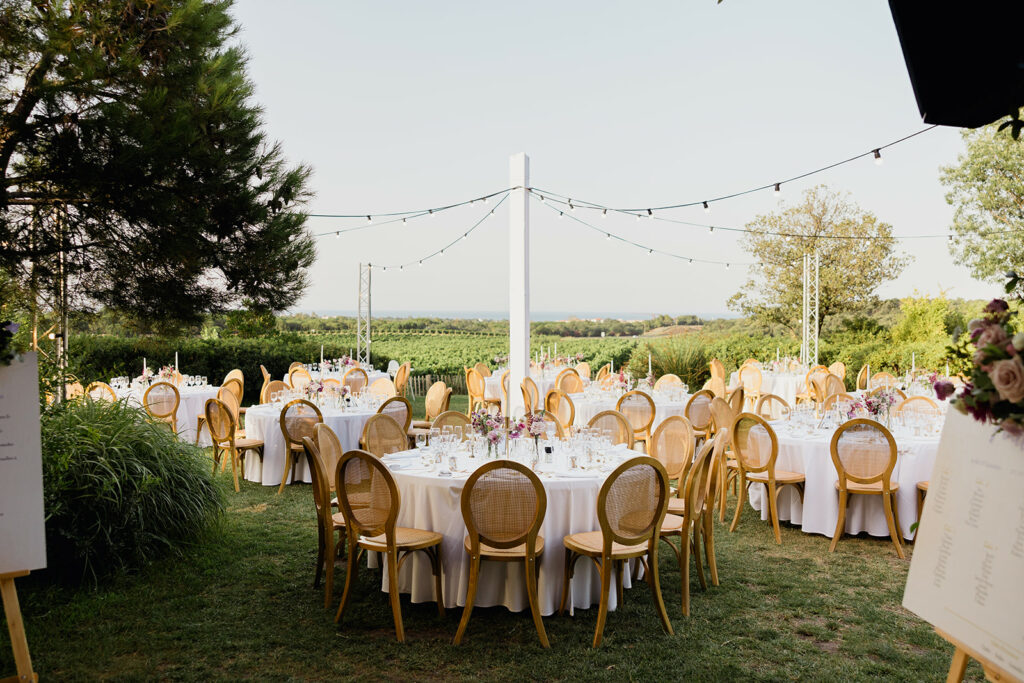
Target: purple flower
(494,436)
(997,306)
(12,327)
(943,389)
(1012,427)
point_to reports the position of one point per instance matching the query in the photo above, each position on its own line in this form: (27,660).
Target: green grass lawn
(240,605)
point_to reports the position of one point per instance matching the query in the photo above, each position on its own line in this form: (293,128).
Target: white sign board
(22,529)
(967,571)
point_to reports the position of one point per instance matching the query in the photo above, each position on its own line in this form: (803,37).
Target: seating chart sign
(22,530)
(968,564)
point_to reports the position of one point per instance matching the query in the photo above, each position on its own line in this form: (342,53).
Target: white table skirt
(785,385)
(191,404)
(820,510)
(589,406)
(433,503)
(264,422)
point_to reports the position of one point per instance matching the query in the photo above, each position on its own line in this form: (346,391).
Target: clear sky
(407,105)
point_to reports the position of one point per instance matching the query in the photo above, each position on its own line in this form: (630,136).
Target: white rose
(1018,341)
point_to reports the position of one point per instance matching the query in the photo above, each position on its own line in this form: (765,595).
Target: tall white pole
(518,281)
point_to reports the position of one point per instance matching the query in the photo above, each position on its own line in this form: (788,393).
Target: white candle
(175,361)
(648,364)
(913,362)
(613,365)
(143,367)
(321,362)
(556,348)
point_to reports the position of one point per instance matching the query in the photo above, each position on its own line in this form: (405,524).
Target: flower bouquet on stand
(489,427)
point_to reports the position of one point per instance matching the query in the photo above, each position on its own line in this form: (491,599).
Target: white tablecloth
(373,375)
(783,384)
(545,382)
(587,406)
(432,502)
(264,422)
(192,404)
(820,509)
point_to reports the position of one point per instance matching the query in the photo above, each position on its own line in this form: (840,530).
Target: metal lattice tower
(363,319)
(809,317)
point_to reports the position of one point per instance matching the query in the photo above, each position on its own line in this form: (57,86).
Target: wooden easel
(16,627)
(962,654)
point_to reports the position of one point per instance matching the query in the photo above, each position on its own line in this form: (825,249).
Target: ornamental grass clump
(120,490)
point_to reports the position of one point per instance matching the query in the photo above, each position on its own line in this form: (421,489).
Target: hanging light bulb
(878,156)
(950,238)
(571,207)
(369,219)
(492,211)
(707,209)
(465,235)
(384,268)
(421,263)
(430,211)
(650,252)
(560,214)
(711,229)
(441,253)
(485,199)
(337,235)
(401,267)
(727,266)
(604,213)
(650,213)
(403,221)
(778,189)
(638,217)
(691,262)
(607,236)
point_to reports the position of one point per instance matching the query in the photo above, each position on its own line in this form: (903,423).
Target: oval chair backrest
(717,386)
(770,406)
(383,388)
(274,386)
(615,425)
(722,417)
(838,369)
(367,495)
(382,435)
(475,385)
(698,482)
(504,388)
(298,419)
(864,452)
(265,373)
(294,365)
(161,402)
(717,368)
(355,379)
(638,408)
(921,405)
(435,402)
(698,409)
(736,398)
(452,418)
(561,406)
(482,368)
(569,382)
(833,385)
(402,378)
(101,391)
(530,387)
(750,378)
(330,450)
(754,443)
(318,473)
(672,445)
(844,400)
(299,377)
(234,385)
(235,374)
(632,502)
(583,370)
(398,408)
(332,383)
(862,378)
(220,420)
(603,371)
(503,505)
(668,381)
(227,397)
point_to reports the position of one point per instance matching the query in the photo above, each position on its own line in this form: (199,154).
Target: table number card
(968,565)
(22,529)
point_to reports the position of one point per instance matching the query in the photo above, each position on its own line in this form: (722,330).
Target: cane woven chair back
(330,450)
(717,368)
(603,371)
(266,381)
(722,416)
(833,385)
(863,451)
(383,388)
(299,377)
(482,368)
(583,370)
(367,495)
(273,386)
(771,407)
(736,398)
(882,379)
(235,373)
(698,481)
(569,382)
(818,391)
(504,389)
(639,409)
(436,402)
(755,444)
(227,397)
(399,408)
(294,365)
(332,383)
(318,473)
(750,378)
(220,420)
(402,378)
(698,410)
(161,401)
(862,378)
(561,406)
(844,400)
(614,425)
(632,502)
(298,419)
(101,391)
(531,395)
(234,385)
(503,505)
(355,379)
(672,444)
(717,386)
(838,369)
(475,385)
(382,435)
(920,405)
(452,418)
(668,381)
(550,419)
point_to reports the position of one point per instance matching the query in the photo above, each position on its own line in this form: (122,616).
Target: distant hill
(673,330)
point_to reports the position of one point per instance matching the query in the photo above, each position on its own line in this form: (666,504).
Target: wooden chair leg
(619,568)
(474,579)
(841,521)
(396,601)
(287,468)
(435,565)
(773,508)
(321,544)
(234,467)
(739,503)
(329,561)
(893,533)
(709,549)
(531,593)
(896,517)
(684,570)
(570,561)
(351,568)
(695,540)
(602,610)
(655,583)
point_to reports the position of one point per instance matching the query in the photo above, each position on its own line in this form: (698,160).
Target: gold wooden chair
(717,368)
(807,394)
(862,378)
(864,454)
(631,508)
(737,399)
(882,379)
(833,385)
(273,386)
(452,418)
(844,400)
(398,408)
(722,417)
(370,503)
(569,382)
(402,378)
(769,406)
(476,387)
(531,395)
(101,391)
(920,405)
(504,391)
(483,369)
(234,385)
(298,419)
(603,372)
(614,424)
(667,382)
(294,365)
(235,374)
(355,379)
(161,401)
(332,383)
(383,388)
(672,444)
(639,409)
(838,369)
(698,412)
(751,379)
(717,387)
(220,421)
(503,506)
(757,447)
(74,390)
(550,418)
(583,370)
(561,406)
(299,377)
(438,397)
(383,435)
(266,380)
(899,393)
(328,522)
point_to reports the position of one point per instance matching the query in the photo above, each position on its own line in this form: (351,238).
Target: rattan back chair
(717,368)
(717,386)
(503,506)
(476,389)
(299,377)
(569,382)
(370,503)
(298,419)
(750,377)
(383,435)
(638,407)
(383,388)
(355,379)
(221,422)
(266,380)
(234,373)
(864,455)
(921,405)
(631,508)
(667,382)
(838,369)
(452,418)
(161,401)
(294,365)
(332,383)
(583,370)
(399,408)
(329,445)
(402,378)
(862,378)
(273,386)
(504,391)
(101,391)
(673,444)
(882,380)
(328,522)
(483,369)
(561,406)
(771,407)
(737,399)
(698,412)
(603,372)
(436,402)
(843,399)
(615,425)
(757,447)
(531,395)
(833,385)
(234,385)
(549,418)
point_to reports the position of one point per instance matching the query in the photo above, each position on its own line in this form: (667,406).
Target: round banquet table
(785,385)
(432,502)
(191,404)
(811,455)
(264,422)
(372,375)
(589,405)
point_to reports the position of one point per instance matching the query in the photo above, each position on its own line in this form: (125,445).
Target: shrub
(682,355)
(119,490)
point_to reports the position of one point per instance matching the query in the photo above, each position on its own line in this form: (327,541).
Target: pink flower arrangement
(167,372)
(488,425)
(535,425)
